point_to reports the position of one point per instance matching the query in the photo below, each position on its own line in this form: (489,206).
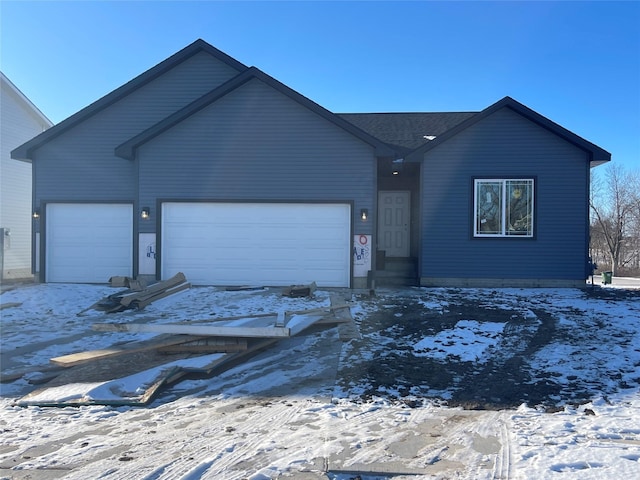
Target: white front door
(393,223)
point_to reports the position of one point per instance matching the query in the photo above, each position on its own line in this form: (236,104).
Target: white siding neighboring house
(20,120)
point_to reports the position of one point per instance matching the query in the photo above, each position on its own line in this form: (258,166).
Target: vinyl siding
(257,144)
(505,145)
(18,123)
(80,164)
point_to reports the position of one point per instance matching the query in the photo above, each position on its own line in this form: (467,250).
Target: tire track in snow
(502,470)
(214,457)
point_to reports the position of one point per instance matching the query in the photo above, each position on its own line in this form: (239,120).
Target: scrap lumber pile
(139,295)
(133,373)
(300,290)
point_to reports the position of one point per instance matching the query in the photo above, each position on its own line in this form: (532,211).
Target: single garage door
(257,243)
(88,243)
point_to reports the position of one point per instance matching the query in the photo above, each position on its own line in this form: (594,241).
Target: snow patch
(469,341)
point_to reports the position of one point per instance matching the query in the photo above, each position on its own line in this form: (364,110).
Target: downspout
(589,270)
(374,232)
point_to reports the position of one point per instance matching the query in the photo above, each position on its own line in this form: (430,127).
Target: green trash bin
(606,278)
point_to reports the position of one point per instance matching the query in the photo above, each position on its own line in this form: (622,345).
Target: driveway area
(442,383)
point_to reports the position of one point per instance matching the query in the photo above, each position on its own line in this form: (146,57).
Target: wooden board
(130,359)
(275,315)
(207,345)
(167,376)
(154,289)
(140,304)
(204,330)
(91,355)
(131,298)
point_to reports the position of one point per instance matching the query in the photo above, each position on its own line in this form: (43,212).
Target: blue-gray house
(215,169)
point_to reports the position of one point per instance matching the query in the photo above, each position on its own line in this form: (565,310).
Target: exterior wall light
(144,214)
(364,214)
(396,166)
(36,214)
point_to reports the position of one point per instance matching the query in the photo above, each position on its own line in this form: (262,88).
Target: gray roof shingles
(406,131)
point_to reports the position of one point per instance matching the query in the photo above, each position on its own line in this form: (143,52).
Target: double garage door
(211,243)
(257,243)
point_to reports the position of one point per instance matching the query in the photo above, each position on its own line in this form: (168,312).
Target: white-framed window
(503,207)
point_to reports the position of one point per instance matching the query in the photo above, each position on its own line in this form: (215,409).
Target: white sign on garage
(271,244)
(88,243)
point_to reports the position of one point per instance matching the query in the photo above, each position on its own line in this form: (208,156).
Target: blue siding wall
(256,143)
(80,165)
(504,145)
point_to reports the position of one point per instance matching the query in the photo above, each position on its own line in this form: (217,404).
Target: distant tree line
(615,220)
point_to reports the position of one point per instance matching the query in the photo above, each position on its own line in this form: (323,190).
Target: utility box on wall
(361,260)
(147,254)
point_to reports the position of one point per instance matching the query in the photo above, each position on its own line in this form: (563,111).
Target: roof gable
(25,151)
(596,154)
(127,149)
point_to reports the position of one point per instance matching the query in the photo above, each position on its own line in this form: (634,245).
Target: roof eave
(599,161)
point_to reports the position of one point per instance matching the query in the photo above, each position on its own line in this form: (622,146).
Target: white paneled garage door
(257,243)
(88,243)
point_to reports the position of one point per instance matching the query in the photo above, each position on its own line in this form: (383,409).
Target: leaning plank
(90,355)
(215,331)
(299,323)
(151,290)
(140,304)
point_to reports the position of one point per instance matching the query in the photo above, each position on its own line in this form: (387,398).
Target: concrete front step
(398,272)
(396,282)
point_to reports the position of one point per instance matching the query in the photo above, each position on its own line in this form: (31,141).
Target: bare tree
(615,208)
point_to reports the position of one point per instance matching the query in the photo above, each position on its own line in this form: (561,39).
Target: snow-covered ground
(313,407)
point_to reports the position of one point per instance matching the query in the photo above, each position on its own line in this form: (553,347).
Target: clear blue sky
(577,63)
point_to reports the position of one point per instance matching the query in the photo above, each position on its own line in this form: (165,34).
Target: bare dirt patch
(507,374)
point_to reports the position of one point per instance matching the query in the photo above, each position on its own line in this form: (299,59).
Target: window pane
(519,206)
(489,208)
